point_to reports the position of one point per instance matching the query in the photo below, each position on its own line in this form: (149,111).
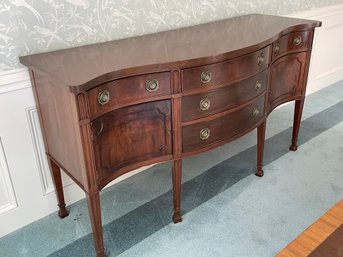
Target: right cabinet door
(287,79)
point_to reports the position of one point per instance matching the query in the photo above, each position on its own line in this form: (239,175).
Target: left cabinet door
(129,136)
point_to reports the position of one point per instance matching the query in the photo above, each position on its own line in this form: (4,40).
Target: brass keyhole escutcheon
(297,40)
(276,48)
(104,97)
(205,76)
(205,104)
(258,85)
(260,59)
(255,112)
(152,85)
(205,133)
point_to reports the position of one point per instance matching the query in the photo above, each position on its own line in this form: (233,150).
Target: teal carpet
(227,210)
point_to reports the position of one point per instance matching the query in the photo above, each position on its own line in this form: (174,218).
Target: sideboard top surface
(84,67)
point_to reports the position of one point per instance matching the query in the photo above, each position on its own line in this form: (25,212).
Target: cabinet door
(130,136)
(287,79)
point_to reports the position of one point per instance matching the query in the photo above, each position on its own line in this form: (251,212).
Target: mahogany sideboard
(108,108)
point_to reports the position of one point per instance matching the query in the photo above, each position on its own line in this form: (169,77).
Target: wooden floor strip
(316,234)
(332,246)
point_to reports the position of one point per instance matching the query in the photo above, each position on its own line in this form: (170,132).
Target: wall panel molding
(41,159)
(14,80)
(320,13)
(6,187)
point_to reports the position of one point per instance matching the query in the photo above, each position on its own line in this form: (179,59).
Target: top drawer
(128,90)
(296,41)
(224,73)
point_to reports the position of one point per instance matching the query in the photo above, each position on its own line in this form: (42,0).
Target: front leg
(298,109)
(177,170)
(93,201)
(261,132)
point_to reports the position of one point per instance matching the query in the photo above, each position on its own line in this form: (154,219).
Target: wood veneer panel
(131,135)
(57,107)
(287,78)
(223,98)
(180,48)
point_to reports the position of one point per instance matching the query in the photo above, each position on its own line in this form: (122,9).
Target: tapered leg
(56,178)
(261,132)
(298,109)
(93,201)
(177,168)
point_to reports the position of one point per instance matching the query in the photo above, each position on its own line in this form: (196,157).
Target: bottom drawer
(205,133)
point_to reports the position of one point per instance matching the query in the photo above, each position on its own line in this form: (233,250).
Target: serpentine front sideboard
(108,108)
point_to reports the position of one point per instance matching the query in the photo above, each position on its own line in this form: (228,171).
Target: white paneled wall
(26,189)
(7,193)
(327,56)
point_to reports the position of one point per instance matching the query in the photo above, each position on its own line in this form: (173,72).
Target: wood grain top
(84,67)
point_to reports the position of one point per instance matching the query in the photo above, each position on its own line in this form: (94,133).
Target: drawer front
(202,134)
(296,41)
(225,72)
(123,91)
(204,104)
(131,135)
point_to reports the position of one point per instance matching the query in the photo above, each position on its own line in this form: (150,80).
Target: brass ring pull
(152,85)
(260,59)
(206,76)
(258,85)
(255,112)
(297,40)
(205,133)
(205,104)
(104,97)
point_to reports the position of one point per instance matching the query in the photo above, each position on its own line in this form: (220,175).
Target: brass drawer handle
(205,133)
(297,40)
(276,48)
(255,112)
(152,85)
(205,104)
(260,59)
(206,76)
(258,85)
(104,97)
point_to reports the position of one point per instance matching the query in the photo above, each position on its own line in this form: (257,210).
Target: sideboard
(108,108)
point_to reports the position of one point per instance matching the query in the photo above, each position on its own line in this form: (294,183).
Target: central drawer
(205,133)
(208,103)
(224,73)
